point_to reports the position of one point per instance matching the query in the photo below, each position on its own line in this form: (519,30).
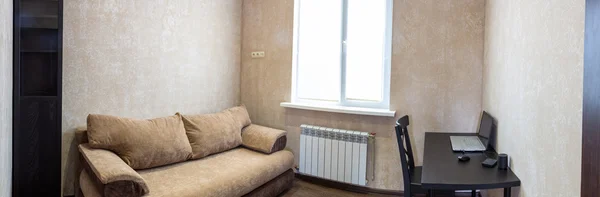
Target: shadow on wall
(72,166)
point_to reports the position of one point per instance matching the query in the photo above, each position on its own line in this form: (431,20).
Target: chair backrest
(406,154)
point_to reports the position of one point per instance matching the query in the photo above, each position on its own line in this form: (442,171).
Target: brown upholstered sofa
(220,154)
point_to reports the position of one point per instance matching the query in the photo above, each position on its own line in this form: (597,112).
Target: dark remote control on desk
(490,163)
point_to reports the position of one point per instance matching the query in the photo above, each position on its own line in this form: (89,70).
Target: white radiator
(334,154)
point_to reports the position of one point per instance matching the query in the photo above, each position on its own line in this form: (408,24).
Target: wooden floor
(305,189)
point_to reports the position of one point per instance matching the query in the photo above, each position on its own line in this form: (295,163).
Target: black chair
(411,174)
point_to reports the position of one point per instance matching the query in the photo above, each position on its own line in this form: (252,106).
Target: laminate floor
(305,189)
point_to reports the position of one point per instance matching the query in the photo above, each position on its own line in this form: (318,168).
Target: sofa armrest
(114,175)
(263,139)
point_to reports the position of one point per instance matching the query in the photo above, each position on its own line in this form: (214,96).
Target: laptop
(475,143)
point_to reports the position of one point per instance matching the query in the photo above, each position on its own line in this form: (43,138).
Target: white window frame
(385,103)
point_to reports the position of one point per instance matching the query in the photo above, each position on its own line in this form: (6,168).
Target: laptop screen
(485,128)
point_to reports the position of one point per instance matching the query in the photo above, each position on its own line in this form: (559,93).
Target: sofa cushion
(215,133)
(240,115)
(232,173)
(140,143)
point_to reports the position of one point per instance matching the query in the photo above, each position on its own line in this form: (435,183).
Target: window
(342,52)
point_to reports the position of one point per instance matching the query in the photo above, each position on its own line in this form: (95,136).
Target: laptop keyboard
(464,143)
(471,143)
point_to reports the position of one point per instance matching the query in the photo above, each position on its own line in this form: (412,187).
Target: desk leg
(473,193)
(507,192)
(431,193)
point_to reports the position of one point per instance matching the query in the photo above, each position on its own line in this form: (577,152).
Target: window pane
(365,49)
(319,49)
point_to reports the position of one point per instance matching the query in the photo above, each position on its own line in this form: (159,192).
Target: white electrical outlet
(257,54)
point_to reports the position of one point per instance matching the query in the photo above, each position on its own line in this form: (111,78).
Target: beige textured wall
(436,75)
(6,40)
(145,59)
(533,81)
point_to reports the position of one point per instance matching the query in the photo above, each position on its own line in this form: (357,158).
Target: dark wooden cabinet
(590,163)
(37,97)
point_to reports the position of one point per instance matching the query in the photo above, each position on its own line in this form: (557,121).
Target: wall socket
(257,54)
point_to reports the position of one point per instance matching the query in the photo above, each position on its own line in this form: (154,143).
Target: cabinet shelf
(39,40)
(39,51)
(39,74)
(39,22)
(48,16)
(36,1)
(39,97)
(39,9)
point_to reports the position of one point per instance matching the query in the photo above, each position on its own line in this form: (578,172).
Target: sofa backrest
(141,143)
(214,133)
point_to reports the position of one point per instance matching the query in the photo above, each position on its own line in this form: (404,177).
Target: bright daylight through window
(342,52)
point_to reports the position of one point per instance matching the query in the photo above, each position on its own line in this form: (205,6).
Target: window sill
(340,109)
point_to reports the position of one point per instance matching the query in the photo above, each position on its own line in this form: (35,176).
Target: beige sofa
(220,154)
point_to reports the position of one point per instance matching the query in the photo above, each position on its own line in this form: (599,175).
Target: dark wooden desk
(443,171)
